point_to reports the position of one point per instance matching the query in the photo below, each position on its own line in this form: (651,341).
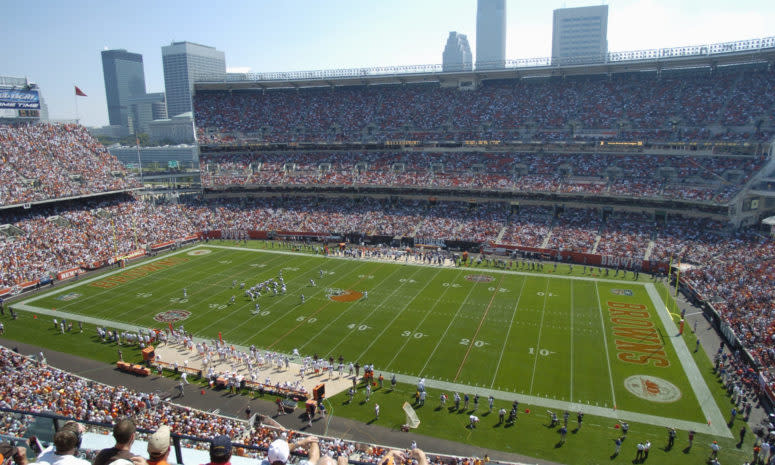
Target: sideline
(709,407)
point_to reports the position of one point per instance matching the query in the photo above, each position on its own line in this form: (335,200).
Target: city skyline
(65,51)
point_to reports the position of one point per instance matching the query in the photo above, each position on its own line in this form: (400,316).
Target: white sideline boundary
(717,424)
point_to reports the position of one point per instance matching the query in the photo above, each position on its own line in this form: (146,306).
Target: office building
(184,63)
(185,155)
(490,34)
(124,78)
(580,35)
(457,53)
(144,109)
(178,129)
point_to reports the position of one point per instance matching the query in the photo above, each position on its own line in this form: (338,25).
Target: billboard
(19,98)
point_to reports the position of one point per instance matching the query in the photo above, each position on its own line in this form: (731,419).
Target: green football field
(555,338)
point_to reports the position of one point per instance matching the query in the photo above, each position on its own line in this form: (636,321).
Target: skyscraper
(185,62)
(124,78)
(490,34)
(144,109)
(457,53)
(580,35)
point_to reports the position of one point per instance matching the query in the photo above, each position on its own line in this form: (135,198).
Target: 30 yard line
(538,343)
(385,327)
(605,343)
(506,341)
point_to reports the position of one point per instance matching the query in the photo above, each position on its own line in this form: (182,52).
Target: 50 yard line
(605,343)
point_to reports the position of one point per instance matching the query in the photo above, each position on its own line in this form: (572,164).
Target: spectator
(66,443)
(279,451)
(10,452)
(159,446)
(220,450)
(124,434)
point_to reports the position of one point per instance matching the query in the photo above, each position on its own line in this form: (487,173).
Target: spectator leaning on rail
(124,434)
(279,451)
(159,446)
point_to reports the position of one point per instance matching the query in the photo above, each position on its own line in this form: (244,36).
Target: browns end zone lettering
(636,338)
(139,272)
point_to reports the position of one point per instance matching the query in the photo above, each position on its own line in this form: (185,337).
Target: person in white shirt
(66,442)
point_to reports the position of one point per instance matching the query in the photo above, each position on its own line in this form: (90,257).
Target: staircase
(649,249)
(597,242)
(545,243)
(501,234)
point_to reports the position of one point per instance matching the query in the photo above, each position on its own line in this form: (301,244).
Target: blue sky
(57,44)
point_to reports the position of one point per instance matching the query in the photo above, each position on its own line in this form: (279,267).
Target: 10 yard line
(605,343)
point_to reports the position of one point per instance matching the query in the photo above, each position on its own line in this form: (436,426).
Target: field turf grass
(537,334)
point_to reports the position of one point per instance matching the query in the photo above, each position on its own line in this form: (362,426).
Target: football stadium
(541,263)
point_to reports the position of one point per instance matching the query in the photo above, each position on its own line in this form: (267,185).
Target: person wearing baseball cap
(220,450)
(159,446)
(280,451)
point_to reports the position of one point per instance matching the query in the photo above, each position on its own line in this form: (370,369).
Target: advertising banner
(19,99)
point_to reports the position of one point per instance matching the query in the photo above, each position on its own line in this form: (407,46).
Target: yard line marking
(540,330)
(293,294)
(451,320)
(385,328)
(320,309)
(605,343)
(341,314)
(419,324)
(476,333)
(505,341)
(366,318)
(571,342)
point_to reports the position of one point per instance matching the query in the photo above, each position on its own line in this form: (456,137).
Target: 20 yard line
(506,341)
(538,343)
(605,343)
(452,320)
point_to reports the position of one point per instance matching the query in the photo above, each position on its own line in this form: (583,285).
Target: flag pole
(139,161)
(75,98)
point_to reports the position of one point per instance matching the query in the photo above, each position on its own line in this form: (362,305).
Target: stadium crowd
(28,384)
(47,161)
(675,106)
(702,178)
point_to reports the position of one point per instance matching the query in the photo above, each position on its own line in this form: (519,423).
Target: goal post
(411,416)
